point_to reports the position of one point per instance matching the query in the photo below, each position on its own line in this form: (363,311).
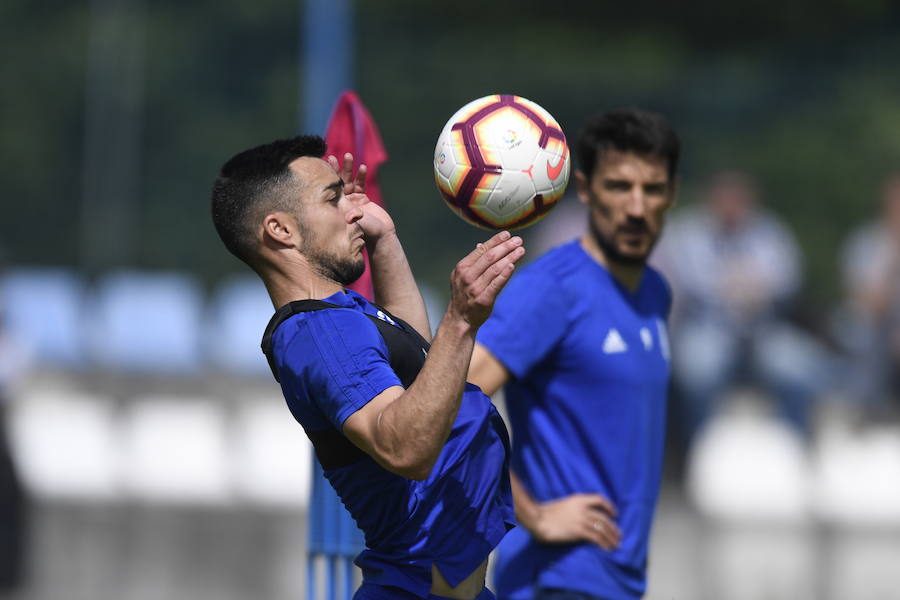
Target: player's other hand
(376,222)
(577,518)
(479,277)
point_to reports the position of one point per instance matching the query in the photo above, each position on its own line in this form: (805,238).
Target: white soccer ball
(501,162)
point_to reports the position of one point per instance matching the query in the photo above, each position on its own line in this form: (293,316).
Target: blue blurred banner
(326,47)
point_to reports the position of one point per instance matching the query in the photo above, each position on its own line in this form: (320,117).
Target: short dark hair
(627,130)
(251,184)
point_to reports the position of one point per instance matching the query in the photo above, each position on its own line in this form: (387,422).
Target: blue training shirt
(331,363)
(587,406)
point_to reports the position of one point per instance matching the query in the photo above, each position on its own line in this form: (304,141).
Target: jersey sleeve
(336,361)
(529,319)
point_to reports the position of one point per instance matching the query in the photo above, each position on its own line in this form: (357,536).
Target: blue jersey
(587,404)
(331,363)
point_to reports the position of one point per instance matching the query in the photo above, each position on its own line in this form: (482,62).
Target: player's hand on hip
(478,278)
(578,518)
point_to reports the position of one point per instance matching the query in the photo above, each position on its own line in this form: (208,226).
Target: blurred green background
(805,95)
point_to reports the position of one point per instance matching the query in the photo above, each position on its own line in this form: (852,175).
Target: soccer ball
(501,162)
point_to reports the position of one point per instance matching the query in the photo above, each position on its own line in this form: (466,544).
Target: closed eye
(334,192)
(617,185)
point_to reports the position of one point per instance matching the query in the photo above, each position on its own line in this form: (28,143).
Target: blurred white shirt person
(735,268)
(870,265)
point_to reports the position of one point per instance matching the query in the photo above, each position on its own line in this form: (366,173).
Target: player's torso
(593,412)
(456,516)
(590,418)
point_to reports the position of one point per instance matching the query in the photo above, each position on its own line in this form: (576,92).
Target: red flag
(352,129)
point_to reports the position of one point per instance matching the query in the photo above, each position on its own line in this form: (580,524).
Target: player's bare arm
(392,279)
(405,430)
(486,371)
(580,517)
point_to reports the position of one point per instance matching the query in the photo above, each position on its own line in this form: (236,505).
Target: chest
(613,341)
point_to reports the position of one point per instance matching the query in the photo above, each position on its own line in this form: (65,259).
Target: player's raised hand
(478,278)
(376,222)
(344,169)
(577,518)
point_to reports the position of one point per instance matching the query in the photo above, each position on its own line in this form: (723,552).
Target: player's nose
(636,206)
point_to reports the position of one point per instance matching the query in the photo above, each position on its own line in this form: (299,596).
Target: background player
(579,340)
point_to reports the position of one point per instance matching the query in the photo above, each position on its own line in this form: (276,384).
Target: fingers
(489,267)
(577,518)
(478,278)
(490,253)
(347,170)
(597,521)
(599,529)
(344,169)
(333,163)
(497,272)
(483,248)
(496,283)
(359,184)
(602,503)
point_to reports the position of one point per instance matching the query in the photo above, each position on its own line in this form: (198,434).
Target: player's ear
(280,229)
(582,187)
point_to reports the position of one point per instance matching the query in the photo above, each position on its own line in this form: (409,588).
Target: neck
(297,282)
(628,274)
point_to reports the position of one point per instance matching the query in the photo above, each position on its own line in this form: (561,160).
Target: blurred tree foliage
(803,94)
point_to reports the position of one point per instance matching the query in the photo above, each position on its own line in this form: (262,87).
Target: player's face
(331,238)
(628,195)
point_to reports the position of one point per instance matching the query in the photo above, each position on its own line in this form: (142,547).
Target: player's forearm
(486,371)
(527,508)
(412,430)
(406,429)
(394,285)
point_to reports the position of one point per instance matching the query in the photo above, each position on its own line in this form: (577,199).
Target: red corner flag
(352,129)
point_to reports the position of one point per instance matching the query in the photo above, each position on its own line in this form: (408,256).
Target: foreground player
(579,340)
(417,456)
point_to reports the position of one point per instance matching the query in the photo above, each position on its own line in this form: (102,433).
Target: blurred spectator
(735,269)
(12,500)
(871,332)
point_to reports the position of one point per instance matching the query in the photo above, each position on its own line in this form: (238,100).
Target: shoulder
(330,363)
(331,327)
(533,313)
(559,260)
(546,285)
(543,284)
(555,266)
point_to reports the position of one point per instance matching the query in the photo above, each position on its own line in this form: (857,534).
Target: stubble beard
(611,251)
(341,270)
